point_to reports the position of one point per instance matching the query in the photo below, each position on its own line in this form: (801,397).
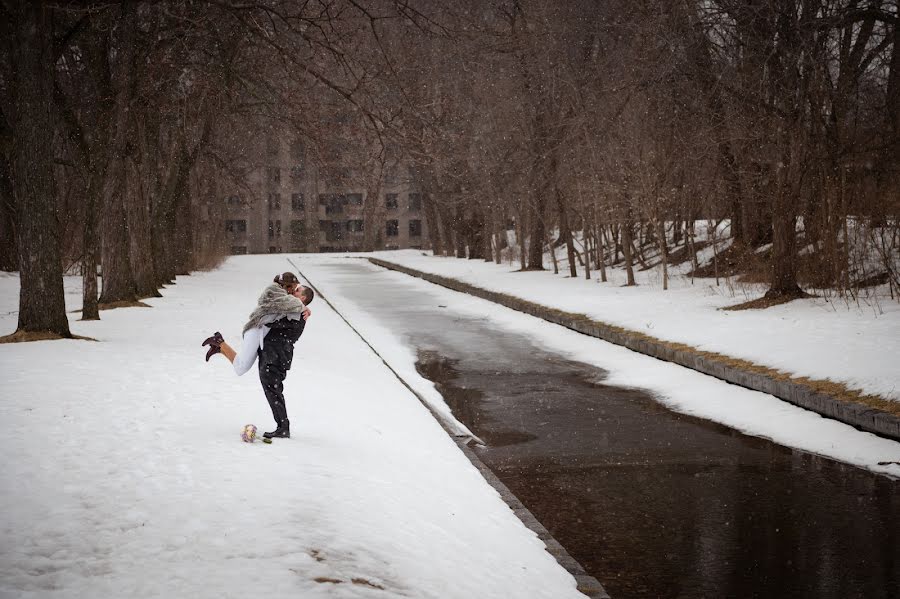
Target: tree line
(597,126)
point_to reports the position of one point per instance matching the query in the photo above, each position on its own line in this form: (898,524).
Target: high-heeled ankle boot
(215,344)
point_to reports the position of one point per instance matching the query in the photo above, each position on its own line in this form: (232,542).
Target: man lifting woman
(270,333)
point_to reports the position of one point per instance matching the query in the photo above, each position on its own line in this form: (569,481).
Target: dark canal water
(652,503)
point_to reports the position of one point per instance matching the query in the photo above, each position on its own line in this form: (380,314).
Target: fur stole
(273,304)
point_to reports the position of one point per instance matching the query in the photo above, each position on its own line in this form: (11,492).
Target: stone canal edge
(868,413)
(587,584)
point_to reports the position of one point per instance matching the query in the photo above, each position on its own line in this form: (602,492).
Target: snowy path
(124,475)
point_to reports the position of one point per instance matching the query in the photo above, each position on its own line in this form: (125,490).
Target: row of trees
(123,124)
(782,116)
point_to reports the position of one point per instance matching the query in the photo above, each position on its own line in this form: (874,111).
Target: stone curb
(858,415)
(586,584)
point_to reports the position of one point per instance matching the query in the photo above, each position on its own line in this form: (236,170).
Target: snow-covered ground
(124,474)
(855,344)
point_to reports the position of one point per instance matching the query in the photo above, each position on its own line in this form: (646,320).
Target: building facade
(289,205)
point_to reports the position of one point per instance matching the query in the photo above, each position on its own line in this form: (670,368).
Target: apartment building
(292,206)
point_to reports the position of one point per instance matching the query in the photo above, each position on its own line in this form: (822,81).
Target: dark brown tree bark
(537,237)
(9,254)
(140,244)
(475,233)
(434,227)
(115,250)
(41,299)
(627,248)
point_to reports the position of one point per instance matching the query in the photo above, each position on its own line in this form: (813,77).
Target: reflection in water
(652,503)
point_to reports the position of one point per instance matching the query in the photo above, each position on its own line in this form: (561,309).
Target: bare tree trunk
(783,281)
(600,236)
(553,258)
(487,236)
(784,267)
(536,241)
(9,257)
(664,253)
(693,250)
(520,234)
(588,240)
(431,218)
(42,304)
(140,245)
(475,233)
(627,248)
(616,242)
(118,282)
(459,232)
(499,236)
(90,309)
(566,232)
(712,228)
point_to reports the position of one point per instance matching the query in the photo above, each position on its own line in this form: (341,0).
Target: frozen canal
(651,502)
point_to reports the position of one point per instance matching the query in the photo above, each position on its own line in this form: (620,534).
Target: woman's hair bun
(286,279)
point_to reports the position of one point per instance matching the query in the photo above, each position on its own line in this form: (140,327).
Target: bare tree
(28,103)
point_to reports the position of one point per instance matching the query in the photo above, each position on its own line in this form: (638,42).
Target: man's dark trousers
(275,360)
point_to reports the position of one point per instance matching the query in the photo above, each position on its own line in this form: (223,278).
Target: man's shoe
(283,431)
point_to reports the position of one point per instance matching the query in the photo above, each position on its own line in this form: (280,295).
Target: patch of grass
(26,336)
(762,303)
(114,305)
(833,389)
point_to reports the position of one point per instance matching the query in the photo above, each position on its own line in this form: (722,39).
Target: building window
(335,231)
(274,229)
(274,201)
(274,250)
(274,175)
(238,250)
(415,228)
(296,172)
(393,228)
(390,201)
(355,226)
(297,202)
(298,227)
(415,201)
(236,226)
(354,199)
(233,200)
(334,203)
